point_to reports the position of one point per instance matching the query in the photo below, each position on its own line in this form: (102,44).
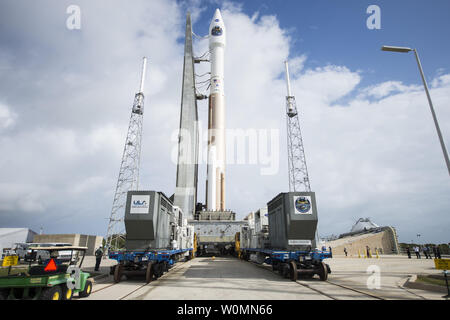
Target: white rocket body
(215,190)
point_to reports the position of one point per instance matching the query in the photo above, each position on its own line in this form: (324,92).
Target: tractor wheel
(118,270)
(67,293)
(323,271)
(149,273)
(293,275)
(52,293)
(87,290)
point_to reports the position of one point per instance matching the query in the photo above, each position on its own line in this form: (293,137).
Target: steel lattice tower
(129,168)
(298,171)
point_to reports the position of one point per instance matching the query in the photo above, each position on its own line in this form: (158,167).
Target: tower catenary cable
(298,171)
(129,168)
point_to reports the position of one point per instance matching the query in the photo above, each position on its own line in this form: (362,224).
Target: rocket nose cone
(217,19)
(217,30)
(217,15)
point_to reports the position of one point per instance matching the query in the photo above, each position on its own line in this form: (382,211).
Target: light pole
(403,49)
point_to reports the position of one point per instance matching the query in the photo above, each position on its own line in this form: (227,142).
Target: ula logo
(140,204)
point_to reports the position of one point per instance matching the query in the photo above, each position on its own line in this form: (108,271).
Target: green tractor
(55,279)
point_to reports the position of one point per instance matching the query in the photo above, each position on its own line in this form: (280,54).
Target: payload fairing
(215,184)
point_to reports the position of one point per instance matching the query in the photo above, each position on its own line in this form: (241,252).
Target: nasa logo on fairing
(302,205)
(216,31)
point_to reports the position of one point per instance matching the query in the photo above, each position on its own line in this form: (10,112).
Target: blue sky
(335,32)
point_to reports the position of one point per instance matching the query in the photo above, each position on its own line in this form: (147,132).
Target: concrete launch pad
(220,278)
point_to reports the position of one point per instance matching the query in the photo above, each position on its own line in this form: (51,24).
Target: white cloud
(108,138)
(441,80)
(297,64)
(386,88)
(7,117)
(327,84)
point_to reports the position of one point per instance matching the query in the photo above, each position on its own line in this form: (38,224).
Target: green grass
(432,279)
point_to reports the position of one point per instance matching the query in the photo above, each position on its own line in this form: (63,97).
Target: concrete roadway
(230,278)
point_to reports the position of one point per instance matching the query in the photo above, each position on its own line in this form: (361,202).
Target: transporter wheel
(149,273)
(118,271)
(161,268)
(293,275)
(275,266)
(323,271)
(157,270)
(286,270)
(280,268)
(283,270)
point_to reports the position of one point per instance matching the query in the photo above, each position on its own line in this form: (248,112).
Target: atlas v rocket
(215,183)
(185,195)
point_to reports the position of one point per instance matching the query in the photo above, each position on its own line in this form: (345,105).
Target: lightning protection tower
(129,168)
(298,171)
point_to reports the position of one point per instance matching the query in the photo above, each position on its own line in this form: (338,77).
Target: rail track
(311,285)
(139,287)
(332,296)
(329,289)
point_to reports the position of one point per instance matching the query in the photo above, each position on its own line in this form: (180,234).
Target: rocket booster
(215,184)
